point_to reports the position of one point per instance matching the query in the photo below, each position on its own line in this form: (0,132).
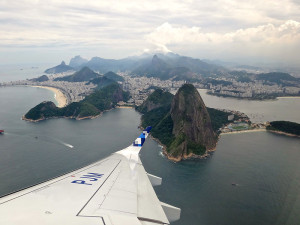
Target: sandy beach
(289,97)
(59,96)
(244,131)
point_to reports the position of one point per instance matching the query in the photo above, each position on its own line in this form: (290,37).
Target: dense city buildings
(141,87)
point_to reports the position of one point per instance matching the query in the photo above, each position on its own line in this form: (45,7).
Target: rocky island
(182,123)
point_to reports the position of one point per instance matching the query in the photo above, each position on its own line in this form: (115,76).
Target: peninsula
(90,107)
(284,127)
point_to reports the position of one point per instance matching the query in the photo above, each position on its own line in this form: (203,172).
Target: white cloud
(133,25)
(166,34)
(267,41)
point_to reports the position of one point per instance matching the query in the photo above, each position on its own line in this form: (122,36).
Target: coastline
(58,94)
(244,131)
(55,117)
(184,156)
(284,133)
(125,107)
(289,97)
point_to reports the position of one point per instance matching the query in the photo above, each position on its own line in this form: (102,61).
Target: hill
(276,77)
(60,68)
(85,74)
(179,122)
(77,61)
(101,82)
(192,127)
(163,66)
(285,127)
(177,67)
(157,99)
(40,79)
(113,76)
(93,105)
(106,65)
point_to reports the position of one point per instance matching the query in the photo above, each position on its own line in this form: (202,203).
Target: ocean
(264,167)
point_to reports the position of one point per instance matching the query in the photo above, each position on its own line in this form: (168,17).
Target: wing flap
(118,195)
(149,207)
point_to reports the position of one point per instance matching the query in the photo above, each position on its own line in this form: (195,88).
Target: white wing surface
(114,191)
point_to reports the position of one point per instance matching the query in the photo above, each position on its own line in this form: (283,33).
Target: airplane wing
(114,191)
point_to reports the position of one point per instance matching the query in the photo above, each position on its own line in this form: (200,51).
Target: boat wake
(68,145)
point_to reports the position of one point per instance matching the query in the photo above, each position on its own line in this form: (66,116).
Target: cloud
(267,40)
(121,28)
(166,34)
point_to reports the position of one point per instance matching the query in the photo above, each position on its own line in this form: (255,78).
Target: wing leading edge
(114,191)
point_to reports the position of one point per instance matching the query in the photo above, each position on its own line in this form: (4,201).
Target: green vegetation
(174,146)
(275,77)
(157,99)
(101,82)
(159,117)
(195,148)
(218,118)
(113,76)
(160,97)
(187,89)
(43,110)
(85,74)
(285,126)
(161,122)
(40,79)
(107,98)
(103,99)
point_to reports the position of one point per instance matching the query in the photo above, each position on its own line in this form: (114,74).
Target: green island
(92,106)
(182,123)
(287,127)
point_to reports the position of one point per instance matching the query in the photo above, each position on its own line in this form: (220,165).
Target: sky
(247,32)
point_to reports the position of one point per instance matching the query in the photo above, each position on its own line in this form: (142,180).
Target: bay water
(252,178)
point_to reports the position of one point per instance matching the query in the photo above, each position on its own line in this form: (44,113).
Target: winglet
(141,139)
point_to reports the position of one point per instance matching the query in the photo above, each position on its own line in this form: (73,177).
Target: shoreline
(125,107)
(289,97)
(244,131)
(284,133)
(58,117)
(184,156)
(58,95)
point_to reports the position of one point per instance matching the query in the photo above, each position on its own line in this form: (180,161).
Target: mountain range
(163,66)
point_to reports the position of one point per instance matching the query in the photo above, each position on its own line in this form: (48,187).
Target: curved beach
(58,94)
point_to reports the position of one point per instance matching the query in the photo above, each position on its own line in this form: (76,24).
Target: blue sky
(231,30)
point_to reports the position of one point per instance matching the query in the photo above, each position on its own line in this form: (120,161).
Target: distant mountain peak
(62,67)
(85,74)
(77,61)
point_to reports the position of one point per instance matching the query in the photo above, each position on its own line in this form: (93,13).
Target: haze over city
(254,32)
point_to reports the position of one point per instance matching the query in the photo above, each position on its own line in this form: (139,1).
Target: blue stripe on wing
(141,139)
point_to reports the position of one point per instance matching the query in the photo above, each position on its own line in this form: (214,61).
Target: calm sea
(264,166)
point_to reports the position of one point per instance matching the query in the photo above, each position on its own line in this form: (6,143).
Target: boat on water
(1,131)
